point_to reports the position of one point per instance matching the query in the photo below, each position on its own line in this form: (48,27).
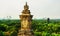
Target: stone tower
(26,19)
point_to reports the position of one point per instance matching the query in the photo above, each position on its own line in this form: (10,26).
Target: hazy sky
(38,8)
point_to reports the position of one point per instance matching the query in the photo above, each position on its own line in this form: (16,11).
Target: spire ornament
(26,7)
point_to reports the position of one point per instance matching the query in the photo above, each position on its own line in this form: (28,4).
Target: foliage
(13,33)
(40,27)
(1,33)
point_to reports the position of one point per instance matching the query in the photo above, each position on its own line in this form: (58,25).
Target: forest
(41,27)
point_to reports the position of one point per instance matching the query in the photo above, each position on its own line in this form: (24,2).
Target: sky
(38,8)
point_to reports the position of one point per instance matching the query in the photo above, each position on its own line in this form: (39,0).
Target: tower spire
(26,3)
(26,22)
(26,7)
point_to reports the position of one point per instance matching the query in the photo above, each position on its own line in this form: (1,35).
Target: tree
(1,33)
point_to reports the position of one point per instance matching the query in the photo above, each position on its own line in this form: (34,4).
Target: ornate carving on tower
(26,19)
(26,9)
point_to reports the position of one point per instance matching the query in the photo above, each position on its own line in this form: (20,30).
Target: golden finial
(26,6)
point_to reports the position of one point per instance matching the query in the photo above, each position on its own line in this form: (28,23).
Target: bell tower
(26,19)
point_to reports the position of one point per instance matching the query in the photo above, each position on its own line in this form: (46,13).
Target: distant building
(48,20)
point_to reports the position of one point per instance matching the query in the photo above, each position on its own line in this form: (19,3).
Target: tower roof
(26,6)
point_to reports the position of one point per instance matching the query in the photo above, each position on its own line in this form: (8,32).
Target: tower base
(25,33)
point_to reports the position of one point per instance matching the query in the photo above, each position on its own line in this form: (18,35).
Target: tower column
(26,19)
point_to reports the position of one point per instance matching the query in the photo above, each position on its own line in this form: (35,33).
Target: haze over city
(38,8)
